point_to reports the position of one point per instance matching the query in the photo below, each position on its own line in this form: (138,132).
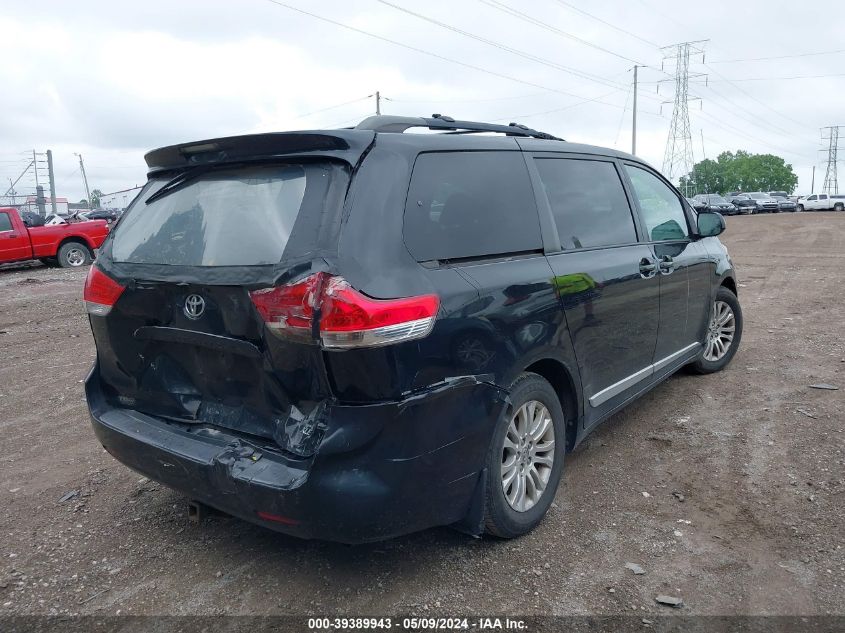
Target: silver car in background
(764,202)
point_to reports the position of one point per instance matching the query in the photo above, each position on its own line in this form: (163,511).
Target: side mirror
(710,224)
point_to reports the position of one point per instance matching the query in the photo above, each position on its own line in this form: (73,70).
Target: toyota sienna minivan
(359,333)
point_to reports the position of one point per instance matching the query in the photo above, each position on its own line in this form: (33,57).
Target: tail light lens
(101,292)
(290,309)
(347,318)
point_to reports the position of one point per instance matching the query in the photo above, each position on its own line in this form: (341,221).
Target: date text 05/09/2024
(416,624)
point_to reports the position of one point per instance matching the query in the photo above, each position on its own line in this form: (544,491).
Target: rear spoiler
(347,145)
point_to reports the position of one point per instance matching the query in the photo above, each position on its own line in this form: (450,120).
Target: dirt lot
(757,455)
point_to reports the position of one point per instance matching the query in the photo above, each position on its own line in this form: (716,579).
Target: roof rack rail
(391,123)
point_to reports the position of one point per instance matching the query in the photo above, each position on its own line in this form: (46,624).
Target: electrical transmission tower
(831,135)
(678,160)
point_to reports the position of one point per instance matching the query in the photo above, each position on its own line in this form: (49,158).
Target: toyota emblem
(194,306)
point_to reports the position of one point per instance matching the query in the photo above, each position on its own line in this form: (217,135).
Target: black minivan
(355,334)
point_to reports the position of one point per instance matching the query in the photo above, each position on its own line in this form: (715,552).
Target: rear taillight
(101,292)
(289,309)
(347,318)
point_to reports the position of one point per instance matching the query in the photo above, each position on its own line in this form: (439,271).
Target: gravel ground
(726,489)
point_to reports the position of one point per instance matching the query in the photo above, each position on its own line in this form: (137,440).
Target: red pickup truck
(70,245)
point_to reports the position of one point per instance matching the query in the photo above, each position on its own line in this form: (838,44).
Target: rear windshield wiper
(177,183)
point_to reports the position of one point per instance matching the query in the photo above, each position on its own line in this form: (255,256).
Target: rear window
(470,204)
(241,216)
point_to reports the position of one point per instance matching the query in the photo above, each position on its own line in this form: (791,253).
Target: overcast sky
(111,80)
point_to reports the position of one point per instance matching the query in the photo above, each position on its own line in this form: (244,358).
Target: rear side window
(242,216)
(5,222)
(661,208)
(470,204)
(588,202)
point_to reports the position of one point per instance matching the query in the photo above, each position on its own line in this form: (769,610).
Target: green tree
(96,194)
(740,171)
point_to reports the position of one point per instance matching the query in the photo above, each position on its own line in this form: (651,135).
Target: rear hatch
(176,295)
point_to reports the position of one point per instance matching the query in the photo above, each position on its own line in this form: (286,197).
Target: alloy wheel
(720,334)
(528,455)
(75,257)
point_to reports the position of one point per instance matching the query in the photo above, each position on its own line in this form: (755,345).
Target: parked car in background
(764,202)
(69,245)
(717,204)
(743,203)
(779,194)
(696,204)
(822,202)
(785,204)
(291,333)
(109,215)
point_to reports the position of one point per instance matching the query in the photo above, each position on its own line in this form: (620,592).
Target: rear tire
(839,207)
(528,455)
(725,320)
(74,255)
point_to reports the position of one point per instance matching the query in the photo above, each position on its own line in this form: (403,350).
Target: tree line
(740,171)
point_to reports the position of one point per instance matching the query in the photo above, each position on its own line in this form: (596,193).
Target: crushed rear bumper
(381,470)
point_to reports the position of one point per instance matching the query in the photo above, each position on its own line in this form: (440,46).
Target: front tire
(800,208)
(723,334)
(525,458)
(74,255)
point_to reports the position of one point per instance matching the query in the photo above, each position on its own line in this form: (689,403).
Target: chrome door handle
(667,265)
(648,268)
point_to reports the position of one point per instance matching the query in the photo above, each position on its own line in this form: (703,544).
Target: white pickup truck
(822,202)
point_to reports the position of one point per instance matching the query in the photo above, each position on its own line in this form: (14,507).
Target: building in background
(31,204)
(118,200)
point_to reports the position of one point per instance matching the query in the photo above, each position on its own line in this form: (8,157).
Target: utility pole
(678,160)
(703,158)
(634,121)
(35,166)
(85,180)
(52,181)
(831,186)
(378,102)
(813,181)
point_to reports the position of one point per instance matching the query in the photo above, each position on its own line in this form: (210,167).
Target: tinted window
(662,211)
(230,217)
(5,222)
(470,204)
(822,196)
(588,202)
(812,198)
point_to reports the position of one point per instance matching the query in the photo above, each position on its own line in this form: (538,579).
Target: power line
(754,116)
(432,54)
(761,59)
(495,4)
(718,74)
(782,78)
(605,22)
(338,105)
(733,130)
(622,118)
(500,46)
(566,107)
(753,98)
(442,101)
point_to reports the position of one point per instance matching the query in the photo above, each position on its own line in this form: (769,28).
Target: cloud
(113,80)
